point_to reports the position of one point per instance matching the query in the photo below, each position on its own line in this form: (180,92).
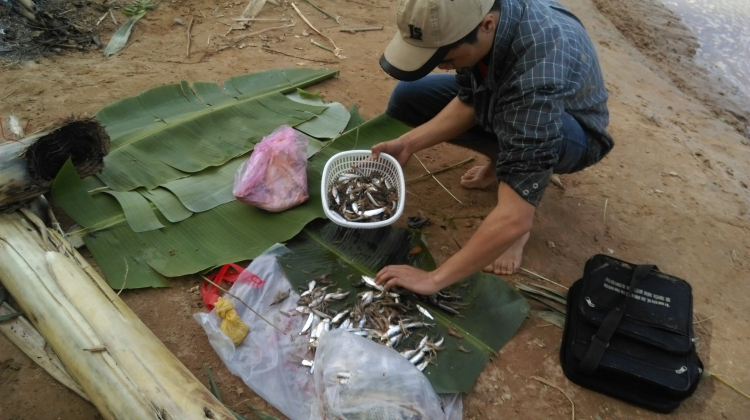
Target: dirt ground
(674,191)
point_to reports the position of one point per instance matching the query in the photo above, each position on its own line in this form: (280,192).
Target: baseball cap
(426,28)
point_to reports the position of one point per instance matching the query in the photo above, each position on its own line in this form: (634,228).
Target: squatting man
(528,93)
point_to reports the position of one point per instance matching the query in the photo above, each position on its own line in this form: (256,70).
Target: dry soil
(674,191)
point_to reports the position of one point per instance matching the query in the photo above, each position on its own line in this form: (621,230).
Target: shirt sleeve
(528,127)
(465,91)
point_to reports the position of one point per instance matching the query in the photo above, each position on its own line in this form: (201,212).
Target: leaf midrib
(211,109)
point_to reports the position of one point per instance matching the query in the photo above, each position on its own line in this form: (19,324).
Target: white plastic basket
(342,162)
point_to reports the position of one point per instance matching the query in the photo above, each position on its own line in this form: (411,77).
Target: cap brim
(407,62)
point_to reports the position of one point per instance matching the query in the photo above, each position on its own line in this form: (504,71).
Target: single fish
(371,282)
(308,323)
(339,316)
(417,357)
(423,365)
(425,312)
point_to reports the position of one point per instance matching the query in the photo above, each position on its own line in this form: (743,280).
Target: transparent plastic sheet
(274,178)
(265,359)
(358,379)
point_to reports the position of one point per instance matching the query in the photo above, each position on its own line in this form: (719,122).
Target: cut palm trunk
(117,361)
(28,166)
(21,333)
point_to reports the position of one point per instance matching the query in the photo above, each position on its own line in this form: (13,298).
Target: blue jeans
(415,103)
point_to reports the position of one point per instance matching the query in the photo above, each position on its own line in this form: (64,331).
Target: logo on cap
(415,33)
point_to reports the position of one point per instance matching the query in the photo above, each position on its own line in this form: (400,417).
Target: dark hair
(471,37)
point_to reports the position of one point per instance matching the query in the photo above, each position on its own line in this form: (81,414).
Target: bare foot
(510,261)
(479,177)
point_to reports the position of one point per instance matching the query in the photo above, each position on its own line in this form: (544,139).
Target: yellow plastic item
(231,324)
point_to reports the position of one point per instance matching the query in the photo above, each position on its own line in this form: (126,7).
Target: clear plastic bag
(268,361)
(358,379)
(265,359)
(274,178)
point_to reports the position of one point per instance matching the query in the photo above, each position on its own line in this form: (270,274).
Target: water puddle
(723,30)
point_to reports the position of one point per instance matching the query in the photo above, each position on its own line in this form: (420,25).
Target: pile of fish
(361,198)
(382,316)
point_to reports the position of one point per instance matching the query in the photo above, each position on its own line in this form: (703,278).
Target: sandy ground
(675,190)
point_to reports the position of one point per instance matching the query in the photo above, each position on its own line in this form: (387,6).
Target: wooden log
(118,362)
(21,333)
(28,166)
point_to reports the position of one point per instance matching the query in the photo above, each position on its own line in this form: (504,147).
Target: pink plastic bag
(275,176)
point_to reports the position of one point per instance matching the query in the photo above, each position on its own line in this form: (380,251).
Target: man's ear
(489,23)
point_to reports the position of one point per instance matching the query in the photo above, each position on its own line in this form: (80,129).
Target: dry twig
(189,38)
(604,220)
(267,49)
(543,278)
(573,406)
(125,279)
(335,18)
(242,302)
(336,50)
(11,92)
(433,210)
(259,20)
(467,160)
(704,320)
(355,30)
(436,180)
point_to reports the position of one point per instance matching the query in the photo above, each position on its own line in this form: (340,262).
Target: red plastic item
(210,293)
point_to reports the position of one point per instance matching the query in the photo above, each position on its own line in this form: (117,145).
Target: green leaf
(120,38)
(207,189)
(261,415)
(494,312)
(167,203)
(212,385)
(354,119)
(172,131)
(137,211)
(228,233)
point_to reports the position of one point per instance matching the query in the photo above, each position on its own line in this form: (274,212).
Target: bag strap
(600,340)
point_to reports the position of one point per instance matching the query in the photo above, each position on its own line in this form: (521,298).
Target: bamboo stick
(123,368)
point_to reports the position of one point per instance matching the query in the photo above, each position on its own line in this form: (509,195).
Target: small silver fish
(339,316)
(417,357)
(371,282)
(367,297)
(370,213)
(423,365)
(308,324)
(425,312)
(409,353)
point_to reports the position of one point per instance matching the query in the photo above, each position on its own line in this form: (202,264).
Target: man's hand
(414,279)
(453,120)
(507,222)
(396,148)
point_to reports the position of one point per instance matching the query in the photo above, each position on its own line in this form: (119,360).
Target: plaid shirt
(542,64)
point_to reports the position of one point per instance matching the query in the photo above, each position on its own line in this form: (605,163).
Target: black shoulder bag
(629,334)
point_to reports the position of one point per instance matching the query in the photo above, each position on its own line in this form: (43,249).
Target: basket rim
(335,217)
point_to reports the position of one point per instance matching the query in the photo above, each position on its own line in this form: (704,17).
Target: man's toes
(488,269)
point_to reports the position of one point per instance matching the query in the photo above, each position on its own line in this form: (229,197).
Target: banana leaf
(120,38)
(169,132)
(230,232)
(494,312)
